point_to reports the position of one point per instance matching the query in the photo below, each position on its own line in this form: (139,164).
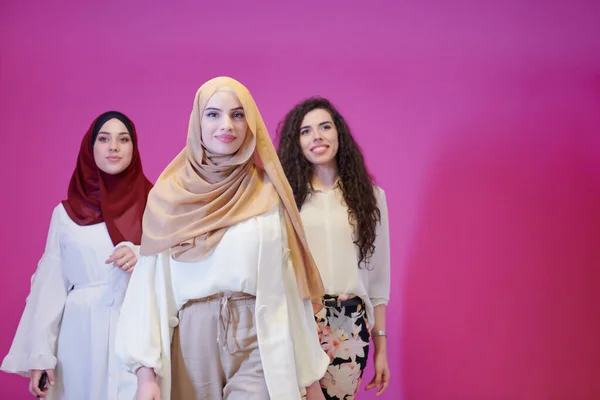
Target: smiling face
(319,138)
(223,123)
(113,147)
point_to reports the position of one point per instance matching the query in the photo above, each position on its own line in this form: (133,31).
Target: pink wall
(481,122)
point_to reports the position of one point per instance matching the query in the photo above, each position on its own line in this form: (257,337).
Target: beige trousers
(215,352)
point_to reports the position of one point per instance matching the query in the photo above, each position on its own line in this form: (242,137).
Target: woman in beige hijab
(220,305)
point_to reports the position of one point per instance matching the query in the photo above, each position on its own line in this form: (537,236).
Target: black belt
(354,301)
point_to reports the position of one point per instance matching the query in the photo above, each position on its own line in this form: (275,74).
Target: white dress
(71,314)
(251,257)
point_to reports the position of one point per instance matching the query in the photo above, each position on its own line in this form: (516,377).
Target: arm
(379,342)
(34,345)
(379,275)
(311,361)
(379,294)
(138,342)
(138,338)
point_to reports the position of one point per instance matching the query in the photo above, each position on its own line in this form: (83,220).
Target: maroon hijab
(118,200)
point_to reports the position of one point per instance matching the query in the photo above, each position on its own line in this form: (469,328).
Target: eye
(103,139)
(238,115)
(124,139)
(211,114)
(326,127)
(304,131)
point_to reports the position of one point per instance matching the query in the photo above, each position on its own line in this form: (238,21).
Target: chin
(228,150)
(112,171)
(322,160)
(223,152)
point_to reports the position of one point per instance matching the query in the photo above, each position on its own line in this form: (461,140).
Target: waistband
(225,314)
(339,301)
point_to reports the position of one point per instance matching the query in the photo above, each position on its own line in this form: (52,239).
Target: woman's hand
(123,258)
(382,373)
(314,392)
(148,388)
(35,376)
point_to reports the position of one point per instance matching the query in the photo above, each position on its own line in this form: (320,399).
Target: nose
(226,125)
(114,145)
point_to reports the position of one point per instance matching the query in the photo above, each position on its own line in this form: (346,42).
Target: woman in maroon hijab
(66,331)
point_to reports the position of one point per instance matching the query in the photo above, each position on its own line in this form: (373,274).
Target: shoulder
(59,209)
(59,213)
(379,193)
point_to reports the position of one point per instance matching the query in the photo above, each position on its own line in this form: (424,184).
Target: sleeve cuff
(23,364)
(135,367)
(378,301)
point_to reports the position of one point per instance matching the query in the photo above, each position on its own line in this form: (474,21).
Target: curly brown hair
(356,182)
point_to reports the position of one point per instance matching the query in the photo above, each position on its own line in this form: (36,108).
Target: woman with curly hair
(346,224)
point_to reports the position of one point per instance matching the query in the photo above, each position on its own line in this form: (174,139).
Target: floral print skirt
(344,335)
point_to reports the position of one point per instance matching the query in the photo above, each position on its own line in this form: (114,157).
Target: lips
(225,138)
(113,158)
(320,149)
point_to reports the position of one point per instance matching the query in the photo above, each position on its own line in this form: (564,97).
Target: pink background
(481,122)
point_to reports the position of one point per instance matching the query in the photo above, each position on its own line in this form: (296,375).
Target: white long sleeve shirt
(330,238)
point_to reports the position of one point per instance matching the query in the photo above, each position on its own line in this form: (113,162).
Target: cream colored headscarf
(199,195)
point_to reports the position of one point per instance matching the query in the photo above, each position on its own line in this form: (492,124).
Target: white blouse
(224,269)
(251,257)
(71,313)
(330,238)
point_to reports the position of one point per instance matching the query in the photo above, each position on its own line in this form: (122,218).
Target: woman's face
(223,123)
(113,147)
(319,138)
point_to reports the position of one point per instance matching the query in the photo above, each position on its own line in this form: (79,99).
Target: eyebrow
(321,124)
(108,133)
(218,109)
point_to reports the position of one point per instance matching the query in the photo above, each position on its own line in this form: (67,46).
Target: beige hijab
(199,195)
